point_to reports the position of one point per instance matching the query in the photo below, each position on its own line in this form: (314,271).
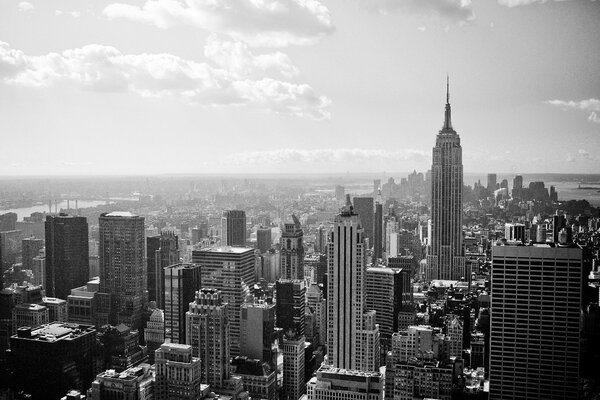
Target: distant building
(233,228)
(294,384)
(80,303)
(161,251)
(454,334)
(378,230)
(515,232)
(30,248)
(67,254)
(492,182)
(292,250)
(231,271)
(340,193)
(57,309)
(316,301)
(133,383)
(154,333)
(257,332)
(290,305)
(178,373)
(48,361)
(263,239)
(29,315)
(363,206)
(181,283)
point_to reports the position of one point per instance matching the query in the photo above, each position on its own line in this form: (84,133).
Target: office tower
(122,270)
(263,239)
(294,384)
(418,379)
(553,194)
(260,378)
(387,291)
(30,248)
(8,221)
(454,334)
(558,223)
(48,361)
(391,237)
(161,251)
(363,206)
(233,228)
(338,384)
(121,347)
(292,250)
(80,303)
(446,257)
(38,268)
(515,232)
(134,383)
(340,193)
(535,310)
(315,300)
(181,283)
(230,270)
(517,189)
(208,333)
(196,235)
(491,182)
(257,331)
(290,305)
(352,336)
(57,309)
(178,374)
(378,230)
(154,333)
(67,254)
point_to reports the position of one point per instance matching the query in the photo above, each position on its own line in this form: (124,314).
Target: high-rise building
(378,230)
(181,283)
(67,254)
(446,256)
(363,206)
(161,251)
(316,301)
(535,311)
(352,335)
(290,305)
(80,303)
(230,270)
(292,250)
(154,333)
(233,228)
(122,270)
(294,384)
(517,190)
(48,361)
(515,232)
(57,309)
(208,333)
(387,291)
(260,378)
(178,373)
(339,193)
(492,181)
(257,332)
(30,248)
(263,239)
(454,335)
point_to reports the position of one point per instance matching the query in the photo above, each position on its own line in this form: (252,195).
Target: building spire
(447,119)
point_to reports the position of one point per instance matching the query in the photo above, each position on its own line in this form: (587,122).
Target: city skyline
(138,73)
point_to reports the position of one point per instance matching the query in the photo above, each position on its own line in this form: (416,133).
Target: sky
(296,86)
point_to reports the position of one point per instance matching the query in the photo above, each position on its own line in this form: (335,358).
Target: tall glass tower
(445,259)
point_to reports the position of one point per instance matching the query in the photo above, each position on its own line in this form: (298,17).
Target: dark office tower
(231,271)
(161,251)
(558,222)
(553,194)
(378,230)
(535,310)
(122,269)
(491,182)
(67,254)
(363,206)
(292,250)
(352,334)
(263,239)
(49,360)
(30,249)
(517,190)
(446,256)
(8,222)
(181,283)
(290,305)
(233,228)
(339,193)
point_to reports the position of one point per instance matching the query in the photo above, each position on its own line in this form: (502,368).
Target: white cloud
(591,105)
(516,3)
(74,14)
(580,155)
(459,11)
(286,156)
(272,23)
(25,6)
(105,69)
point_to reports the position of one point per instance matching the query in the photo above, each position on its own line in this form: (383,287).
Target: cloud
(270,23)
(286,156)
(74,14)
(105,69)
(25,6)
(516,3)
(458,11)
(580,155)
(591,105)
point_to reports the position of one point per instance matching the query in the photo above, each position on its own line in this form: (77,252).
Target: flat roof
(124,214)
(226,249)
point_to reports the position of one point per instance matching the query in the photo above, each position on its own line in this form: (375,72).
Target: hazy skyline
(270,86)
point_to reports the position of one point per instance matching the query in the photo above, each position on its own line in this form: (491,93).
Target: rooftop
(227,249)
(122,214)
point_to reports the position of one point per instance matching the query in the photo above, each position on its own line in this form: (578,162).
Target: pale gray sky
(193,86)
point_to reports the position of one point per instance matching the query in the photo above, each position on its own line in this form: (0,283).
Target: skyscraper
(230,270)
(363,206)
(292,250)
(352,335)
(263,239)
(67,254)
(378,229)
(535,310)
(178,373)
(446,256)
(122,269)
(294,384)
(290,305)
(491,183)
(161,251)
(257,332)
(233,228)
(181,283)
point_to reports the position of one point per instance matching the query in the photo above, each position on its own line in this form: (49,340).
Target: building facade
(233,228)
(292,250)
(161,251)
(181,283)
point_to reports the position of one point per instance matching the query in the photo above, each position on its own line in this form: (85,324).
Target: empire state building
(445,259)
